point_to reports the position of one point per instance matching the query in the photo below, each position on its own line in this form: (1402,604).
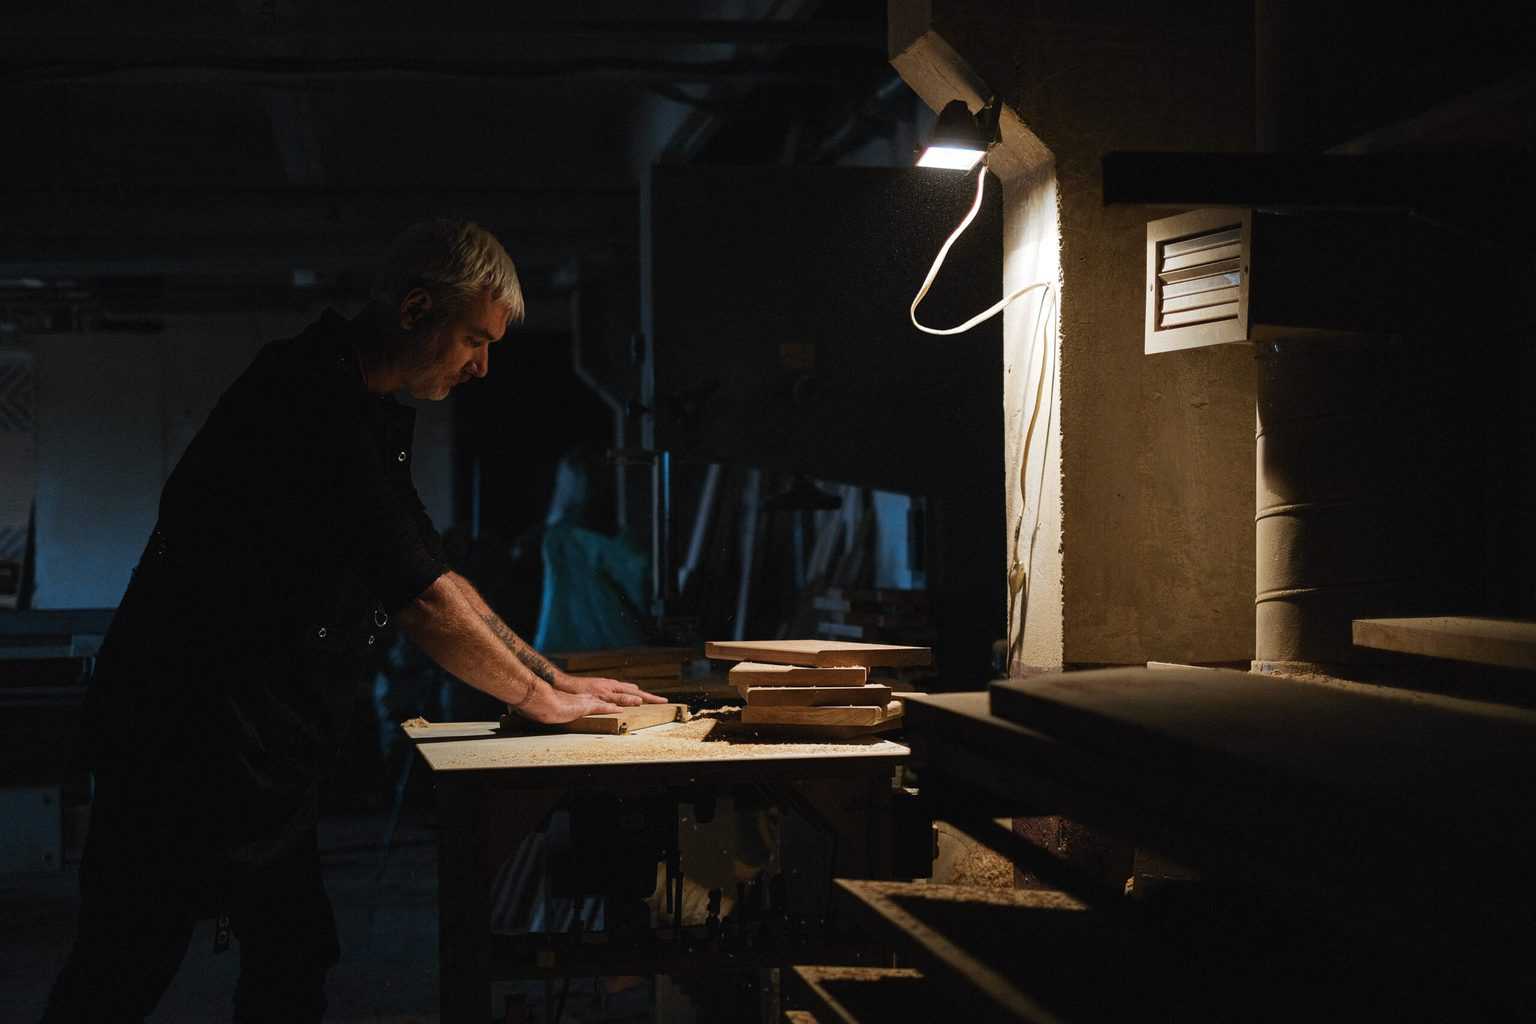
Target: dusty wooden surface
(819,653)
(713,737)
(1507,643)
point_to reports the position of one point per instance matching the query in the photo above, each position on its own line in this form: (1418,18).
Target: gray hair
(454,261)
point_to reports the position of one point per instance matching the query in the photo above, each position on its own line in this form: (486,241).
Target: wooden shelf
(1504,643)
(867,995)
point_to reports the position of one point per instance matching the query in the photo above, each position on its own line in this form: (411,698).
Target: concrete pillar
(1129,502)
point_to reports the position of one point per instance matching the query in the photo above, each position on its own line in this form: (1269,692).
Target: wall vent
(1197,279)
(1224,275)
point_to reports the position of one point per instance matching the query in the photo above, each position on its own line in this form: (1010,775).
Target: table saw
(495,791)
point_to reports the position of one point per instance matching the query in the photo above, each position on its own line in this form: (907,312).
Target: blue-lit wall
(115,412)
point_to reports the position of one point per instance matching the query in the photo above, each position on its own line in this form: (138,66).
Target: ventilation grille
(1199,277)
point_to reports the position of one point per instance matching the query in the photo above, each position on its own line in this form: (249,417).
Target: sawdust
(415,723)
(712,735)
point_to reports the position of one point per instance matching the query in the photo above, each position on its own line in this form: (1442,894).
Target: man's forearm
(531,659)
(449,626)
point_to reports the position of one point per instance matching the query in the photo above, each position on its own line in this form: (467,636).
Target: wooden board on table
(869,695)
(621,657)
(1504,643)
(819,653)
(629,720)
(756,673)
(821,716)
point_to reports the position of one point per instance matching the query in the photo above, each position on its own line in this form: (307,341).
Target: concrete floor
(388,926)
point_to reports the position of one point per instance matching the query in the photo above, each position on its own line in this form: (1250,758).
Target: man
(290,537)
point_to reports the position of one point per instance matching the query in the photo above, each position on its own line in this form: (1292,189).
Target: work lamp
(959,138)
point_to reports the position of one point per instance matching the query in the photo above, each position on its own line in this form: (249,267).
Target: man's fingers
(630,690)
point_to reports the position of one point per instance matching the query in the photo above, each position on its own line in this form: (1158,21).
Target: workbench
(1389,832)
(494,790)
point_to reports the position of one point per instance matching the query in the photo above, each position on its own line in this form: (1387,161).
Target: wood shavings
(415,723)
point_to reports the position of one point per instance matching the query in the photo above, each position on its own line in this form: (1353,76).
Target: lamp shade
(957,142)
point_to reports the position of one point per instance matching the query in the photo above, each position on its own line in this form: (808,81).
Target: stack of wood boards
(815,684)
(631,664)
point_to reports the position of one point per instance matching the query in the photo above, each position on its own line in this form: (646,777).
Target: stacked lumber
(816,685)
(631,664)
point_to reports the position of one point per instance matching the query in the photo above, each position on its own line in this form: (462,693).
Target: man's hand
(550,706)
(614,691)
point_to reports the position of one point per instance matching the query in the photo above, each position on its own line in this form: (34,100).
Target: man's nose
(481,364)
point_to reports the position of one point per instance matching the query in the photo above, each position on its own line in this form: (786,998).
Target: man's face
(457,350)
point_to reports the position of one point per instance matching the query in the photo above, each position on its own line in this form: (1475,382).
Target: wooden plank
(1026,926)
(753,673)
(629,720)
(819,653)
(1393,750)
(422,731)
(821,716)
(869,995)
(1505,643)
(871,694)
(578,661)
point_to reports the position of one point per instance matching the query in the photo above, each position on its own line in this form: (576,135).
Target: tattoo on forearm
(532,660)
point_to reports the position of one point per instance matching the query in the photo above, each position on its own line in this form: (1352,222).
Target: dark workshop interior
(1159,646)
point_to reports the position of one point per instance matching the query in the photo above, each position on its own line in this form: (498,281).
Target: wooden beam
(1505,643)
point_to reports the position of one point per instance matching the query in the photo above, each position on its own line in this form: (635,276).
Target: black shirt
(289,536)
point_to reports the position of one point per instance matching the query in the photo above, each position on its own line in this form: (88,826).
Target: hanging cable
(938,263)
(1020,570)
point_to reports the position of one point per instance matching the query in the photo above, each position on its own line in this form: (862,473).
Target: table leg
(463,905)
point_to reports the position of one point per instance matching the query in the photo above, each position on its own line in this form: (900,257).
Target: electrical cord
(1019,570)
(938,263)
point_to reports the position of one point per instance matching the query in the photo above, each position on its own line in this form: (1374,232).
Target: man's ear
(415,308)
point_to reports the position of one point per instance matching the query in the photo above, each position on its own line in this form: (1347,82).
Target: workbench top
(707,747)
